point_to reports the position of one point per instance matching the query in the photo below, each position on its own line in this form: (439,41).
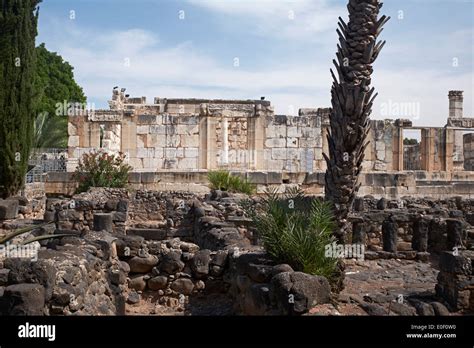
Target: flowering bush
(100,169)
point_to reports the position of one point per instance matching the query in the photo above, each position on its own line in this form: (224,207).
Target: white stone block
(71,129)
(136,163)
(191,152)
(187,129)
(190,141)
(267,154)
(291,142)
(310,132)
(187,163)
(319,141)
(275,142)
(158,129)
(238,157)
(172,140)
(73,141)
(155,140)
(380,166)
(158,152)
(145,152)
(152,164)
(293,154)
(380,146)
(279,153)
(293,132)
(273,131)
(242,157)
(276,165)
(141,141)
(318,154)
(169,153)
(307,142)
(143,129)
(380,155)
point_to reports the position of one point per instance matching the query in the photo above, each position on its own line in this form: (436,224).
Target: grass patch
(224,181)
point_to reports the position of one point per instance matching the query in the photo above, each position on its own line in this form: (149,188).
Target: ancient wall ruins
(172,143)
(243,135)
(469,151)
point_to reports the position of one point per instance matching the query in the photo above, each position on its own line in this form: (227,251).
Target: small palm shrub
(223,180)
(100,169)
(295,229)
(9,237)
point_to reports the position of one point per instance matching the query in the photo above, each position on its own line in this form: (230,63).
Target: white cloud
(99,60)
(283,19)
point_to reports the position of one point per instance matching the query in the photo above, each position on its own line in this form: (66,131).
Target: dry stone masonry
(150,252)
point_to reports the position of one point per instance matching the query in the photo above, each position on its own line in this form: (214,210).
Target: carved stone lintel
(105,116)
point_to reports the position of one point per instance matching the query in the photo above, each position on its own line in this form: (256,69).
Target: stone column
(390,235)
(359,204)
(324,135)
(420,235)
(256,133)
(129,138)
(203,150)
(456,111)
(426,150)
(225,141)
(454,233)
(211,139)
(397,145)
(94,135)
(358,232)
(455,104)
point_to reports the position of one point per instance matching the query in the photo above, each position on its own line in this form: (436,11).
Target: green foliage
(408,141)
(50,131)
(55,84)
(18,29)
(223,180)
(295,229)
(100,169)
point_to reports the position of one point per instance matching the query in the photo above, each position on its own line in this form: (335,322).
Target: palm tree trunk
(352,100)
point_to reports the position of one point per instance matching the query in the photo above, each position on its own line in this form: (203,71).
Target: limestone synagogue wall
(198,134)
(188,135)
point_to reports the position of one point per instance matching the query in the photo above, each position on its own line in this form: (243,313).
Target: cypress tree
(18,30)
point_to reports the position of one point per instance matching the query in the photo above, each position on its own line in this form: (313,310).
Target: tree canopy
(55,84)
(18,28)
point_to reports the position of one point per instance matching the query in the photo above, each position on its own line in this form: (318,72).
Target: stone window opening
(101,135)
(412,149)
(468,150)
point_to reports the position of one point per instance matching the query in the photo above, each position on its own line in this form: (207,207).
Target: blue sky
(243,49)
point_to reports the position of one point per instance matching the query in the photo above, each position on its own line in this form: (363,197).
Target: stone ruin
(169,245)
(182,253)
(182,250)
(172,143)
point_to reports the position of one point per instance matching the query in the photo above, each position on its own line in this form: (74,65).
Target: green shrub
(295,229)
(100,169)
(223,180)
